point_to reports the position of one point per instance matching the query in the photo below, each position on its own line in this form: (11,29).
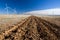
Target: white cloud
(55,11)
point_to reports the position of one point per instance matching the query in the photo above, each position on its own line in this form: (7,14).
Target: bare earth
(29,28)
(8,20)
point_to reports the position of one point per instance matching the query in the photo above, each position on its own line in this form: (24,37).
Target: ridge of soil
(32,28)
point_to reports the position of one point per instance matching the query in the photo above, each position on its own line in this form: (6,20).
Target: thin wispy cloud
(55,11)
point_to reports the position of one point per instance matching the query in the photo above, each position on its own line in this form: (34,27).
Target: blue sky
(29,5)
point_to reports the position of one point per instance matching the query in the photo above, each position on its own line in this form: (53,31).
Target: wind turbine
(7,8)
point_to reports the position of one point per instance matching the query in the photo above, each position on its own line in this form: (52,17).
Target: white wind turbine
(7,9)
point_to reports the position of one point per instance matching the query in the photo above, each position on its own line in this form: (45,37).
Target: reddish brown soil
(32,28)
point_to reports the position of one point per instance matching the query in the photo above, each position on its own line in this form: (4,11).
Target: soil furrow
(32,28)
